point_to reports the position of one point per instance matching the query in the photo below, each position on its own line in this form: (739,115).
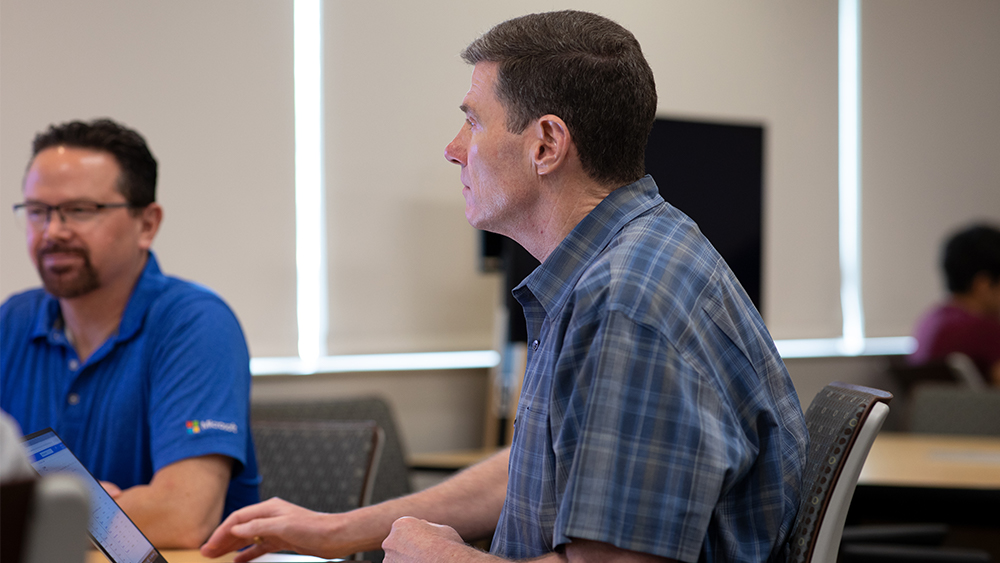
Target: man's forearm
(470,502)
(182,504)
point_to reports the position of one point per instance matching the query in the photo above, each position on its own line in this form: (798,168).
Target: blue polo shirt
(172,383)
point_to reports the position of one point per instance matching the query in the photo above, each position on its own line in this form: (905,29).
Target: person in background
(145,377)
(657,421)
(969,321)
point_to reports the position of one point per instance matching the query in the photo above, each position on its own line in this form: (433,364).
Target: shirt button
(73,399)
(534,345)
(73,364)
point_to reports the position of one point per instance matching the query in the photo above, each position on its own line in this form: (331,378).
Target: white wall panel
(930,145)
(403,259)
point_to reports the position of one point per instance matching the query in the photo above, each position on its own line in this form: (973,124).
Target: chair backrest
(327,466)
(45,520)
(842,420)
(392,478)
(965,370)
(947,409)
(956,368)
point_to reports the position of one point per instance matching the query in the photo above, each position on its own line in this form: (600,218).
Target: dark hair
(137,181)
(585,69)
(970,252)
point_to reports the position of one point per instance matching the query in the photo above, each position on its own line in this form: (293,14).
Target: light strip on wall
(377,362)
(831,347)
(849,79)
(310,211)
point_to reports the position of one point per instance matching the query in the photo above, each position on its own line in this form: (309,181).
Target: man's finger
(250,553)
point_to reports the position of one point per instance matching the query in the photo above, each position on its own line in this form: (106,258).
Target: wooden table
(930,478)
(925,460)
(194,556)
(171,555)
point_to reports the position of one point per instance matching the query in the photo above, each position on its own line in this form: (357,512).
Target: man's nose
(456,150)
(55,224)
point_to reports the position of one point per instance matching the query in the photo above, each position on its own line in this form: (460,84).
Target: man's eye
(35,212)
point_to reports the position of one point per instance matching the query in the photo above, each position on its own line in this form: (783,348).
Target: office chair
(950,409)
(842,421)
(956,368)
(327,466)
(45,520)
(392,478)
(322,465)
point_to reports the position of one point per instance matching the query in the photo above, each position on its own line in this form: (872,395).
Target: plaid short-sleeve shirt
(656,414)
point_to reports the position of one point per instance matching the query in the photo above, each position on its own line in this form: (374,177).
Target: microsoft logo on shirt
(197,426)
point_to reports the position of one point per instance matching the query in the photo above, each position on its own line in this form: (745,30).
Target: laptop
(111,530)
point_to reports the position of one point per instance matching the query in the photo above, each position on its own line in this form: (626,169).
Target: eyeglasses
(71,213)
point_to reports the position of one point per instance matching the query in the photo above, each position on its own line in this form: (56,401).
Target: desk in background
(933,478)
(933,461)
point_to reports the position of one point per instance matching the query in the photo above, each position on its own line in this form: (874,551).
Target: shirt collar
(553,281)
(150,284)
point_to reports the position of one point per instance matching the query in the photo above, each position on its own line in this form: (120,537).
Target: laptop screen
(111,529)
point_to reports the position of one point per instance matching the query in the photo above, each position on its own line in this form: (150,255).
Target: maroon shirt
(948,328)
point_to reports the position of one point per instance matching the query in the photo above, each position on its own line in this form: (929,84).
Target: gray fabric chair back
(948,409)
(836,420)
(327,466)
(392,478)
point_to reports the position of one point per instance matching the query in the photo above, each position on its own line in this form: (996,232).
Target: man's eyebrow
(466,109)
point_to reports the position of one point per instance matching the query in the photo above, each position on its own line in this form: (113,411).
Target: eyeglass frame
(59,209)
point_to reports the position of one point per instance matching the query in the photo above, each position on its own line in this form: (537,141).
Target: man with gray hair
(657,421)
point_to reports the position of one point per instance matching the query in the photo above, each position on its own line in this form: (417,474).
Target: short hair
(137,181)
(970,252)
(585,69)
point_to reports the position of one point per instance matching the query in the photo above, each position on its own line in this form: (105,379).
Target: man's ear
(552,144)
(149,223)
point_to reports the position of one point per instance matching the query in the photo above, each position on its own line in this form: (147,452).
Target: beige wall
(394,81)
(435,410)
(931,158)
(209,84)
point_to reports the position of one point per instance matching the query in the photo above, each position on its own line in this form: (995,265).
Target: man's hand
(413,540)
(111,489)
(470,502)
(274,525)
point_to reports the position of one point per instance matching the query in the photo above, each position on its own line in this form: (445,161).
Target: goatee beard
(67,283)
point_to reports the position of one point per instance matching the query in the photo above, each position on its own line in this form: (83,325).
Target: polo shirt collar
(553,281)
(149,285)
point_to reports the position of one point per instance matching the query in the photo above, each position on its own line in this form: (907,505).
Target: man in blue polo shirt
(146,377)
